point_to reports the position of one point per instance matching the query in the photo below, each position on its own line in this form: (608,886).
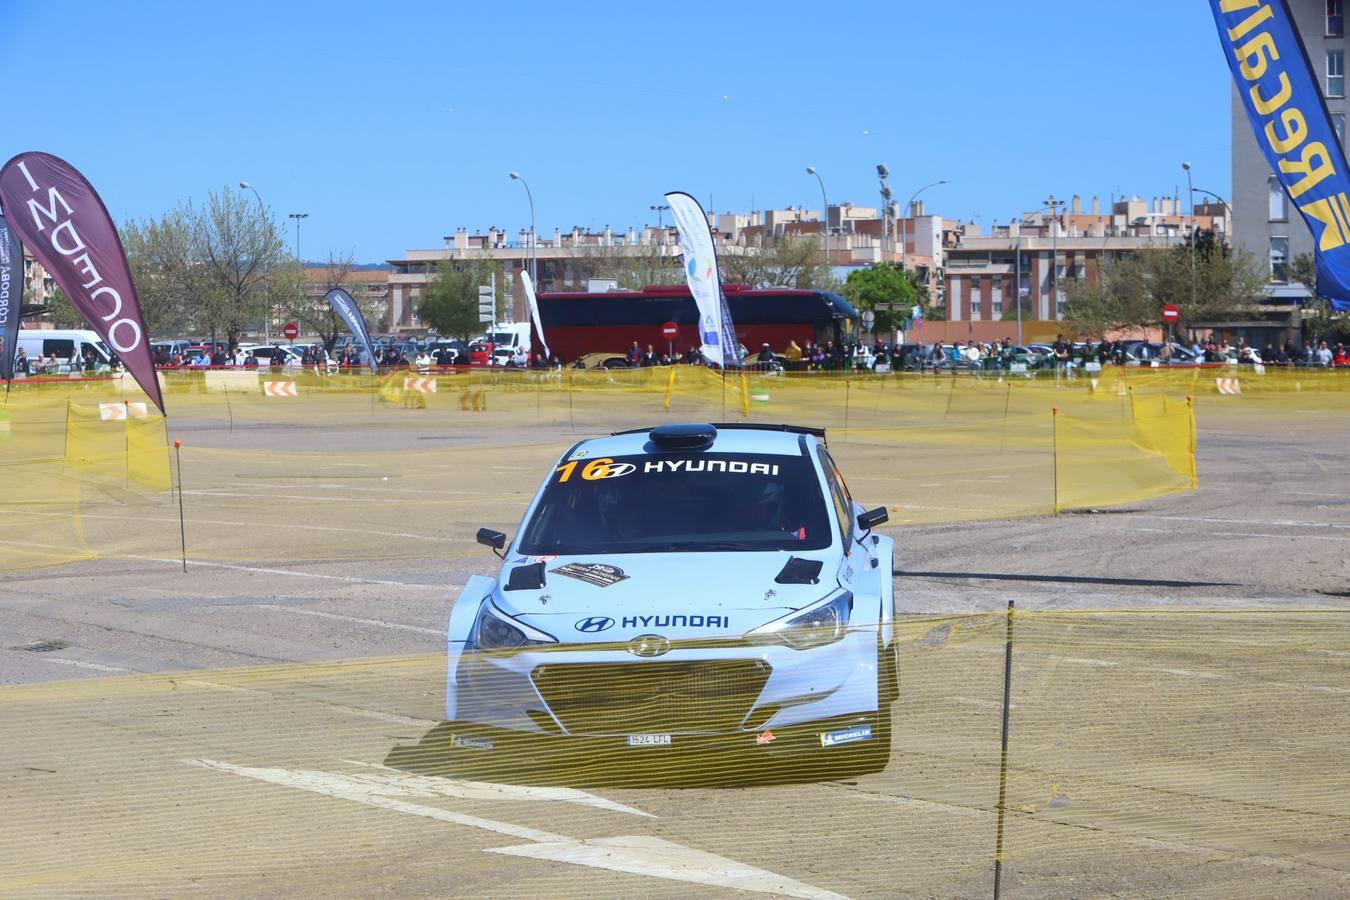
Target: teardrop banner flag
(344,304)
(1280,91)
(62,221)
(533,303)
(716,331)
(11,297)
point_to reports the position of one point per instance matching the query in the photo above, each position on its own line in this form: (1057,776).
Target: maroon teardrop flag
(61,220)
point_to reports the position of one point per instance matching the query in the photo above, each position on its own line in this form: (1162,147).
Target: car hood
(604,598)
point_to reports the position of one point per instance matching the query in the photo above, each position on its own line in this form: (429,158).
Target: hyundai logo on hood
(649,645)
(593,624)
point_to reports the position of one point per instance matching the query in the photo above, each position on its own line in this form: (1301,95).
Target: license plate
(649,740)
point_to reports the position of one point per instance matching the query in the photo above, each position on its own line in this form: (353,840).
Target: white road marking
(385,717)
(378,623)
(659,858)
(484,790)
(1300,537)
(983,704)
(354,579)
(1282,523)
(639,855)
(288,525)
(347,787)
(1187,673)
(83,665)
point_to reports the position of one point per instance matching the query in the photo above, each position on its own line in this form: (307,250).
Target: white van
(506,339)
(57,345)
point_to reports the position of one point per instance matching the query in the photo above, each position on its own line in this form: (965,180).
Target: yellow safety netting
(280,467)
(1150,753)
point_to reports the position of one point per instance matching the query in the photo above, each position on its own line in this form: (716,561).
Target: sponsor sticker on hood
(470,743)
(598,574)
(846,736)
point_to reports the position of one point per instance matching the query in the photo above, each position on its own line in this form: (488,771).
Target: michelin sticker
(598,574)
(847,736)
(470,743)
(649,740)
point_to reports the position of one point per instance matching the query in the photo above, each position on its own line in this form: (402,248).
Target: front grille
(652,697)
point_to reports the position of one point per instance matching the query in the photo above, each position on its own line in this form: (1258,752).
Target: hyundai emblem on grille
(649,645)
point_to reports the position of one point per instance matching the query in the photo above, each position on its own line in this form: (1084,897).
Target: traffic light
(487,304)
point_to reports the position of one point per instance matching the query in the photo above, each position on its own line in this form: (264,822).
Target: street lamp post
(824,214)
(1190,191)
(534,268)
(910,206)
(882,174)
(267,319)
(297,217)
(1017,290)
(1053,205)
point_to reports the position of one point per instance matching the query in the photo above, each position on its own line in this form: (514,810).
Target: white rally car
(681,584)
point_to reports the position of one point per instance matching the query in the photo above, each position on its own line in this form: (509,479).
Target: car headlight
(815,626)
(495,630)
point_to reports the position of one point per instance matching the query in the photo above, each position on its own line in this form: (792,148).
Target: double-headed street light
(297,217)
(824,214)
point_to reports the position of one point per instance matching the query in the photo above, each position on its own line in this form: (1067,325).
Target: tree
(789,261)
(632,267)
(235,250)
(306,300)
(61,311)
(159,254)
(1224,285)
(1327,324)
(450,304)
(876,287)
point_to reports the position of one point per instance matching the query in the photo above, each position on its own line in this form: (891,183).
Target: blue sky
(392,124)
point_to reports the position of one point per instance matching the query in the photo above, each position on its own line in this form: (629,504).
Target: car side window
(843,507)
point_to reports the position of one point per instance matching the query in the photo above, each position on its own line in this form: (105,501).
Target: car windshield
(502,337)
(679,502)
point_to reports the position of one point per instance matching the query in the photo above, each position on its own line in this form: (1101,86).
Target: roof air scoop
(683,437)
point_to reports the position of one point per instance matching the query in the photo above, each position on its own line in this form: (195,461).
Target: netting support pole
(1007,401)
(1190,411)
(182,525)
(848,385)
(1003,759)
(1054,453)
(229,410)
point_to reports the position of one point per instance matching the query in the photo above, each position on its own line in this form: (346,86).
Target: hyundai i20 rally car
(679,585)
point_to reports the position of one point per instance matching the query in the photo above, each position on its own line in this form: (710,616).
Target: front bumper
(734,689)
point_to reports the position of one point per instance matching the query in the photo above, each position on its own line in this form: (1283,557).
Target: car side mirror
(872,518)
(494,539)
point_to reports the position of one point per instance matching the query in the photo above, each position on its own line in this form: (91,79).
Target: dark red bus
(577,324)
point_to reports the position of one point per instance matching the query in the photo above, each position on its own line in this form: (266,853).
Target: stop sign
(1170,313)
(292,331)
(670,331)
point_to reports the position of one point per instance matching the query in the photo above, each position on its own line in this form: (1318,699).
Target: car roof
(769,440)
